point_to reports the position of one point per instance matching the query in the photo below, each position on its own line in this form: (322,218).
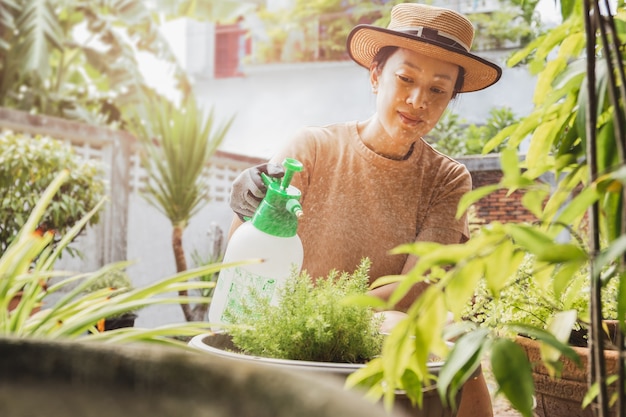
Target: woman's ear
(374,73)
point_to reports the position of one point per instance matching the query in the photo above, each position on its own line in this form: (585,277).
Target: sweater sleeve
(441,224)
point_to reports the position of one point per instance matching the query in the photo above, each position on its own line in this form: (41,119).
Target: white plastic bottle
(271,235)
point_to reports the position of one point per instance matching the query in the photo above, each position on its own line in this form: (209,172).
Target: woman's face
(413,90)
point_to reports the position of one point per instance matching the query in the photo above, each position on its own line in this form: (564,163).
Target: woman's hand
(248,188)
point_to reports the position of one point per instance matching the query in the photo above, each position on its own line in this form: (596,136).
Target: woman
(371,185)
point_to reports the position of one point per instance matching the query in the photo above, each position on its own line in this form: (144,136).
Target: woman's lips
(409,119)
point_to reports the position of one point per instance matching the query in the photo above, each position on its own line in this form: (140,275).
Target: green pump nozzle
(279,211)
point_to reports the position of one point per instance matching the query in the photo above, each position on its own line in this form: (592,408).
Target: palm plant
(177,144)
(577,137)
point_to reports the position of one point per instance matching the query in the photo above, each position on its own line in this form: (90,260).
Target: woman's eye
(404,78)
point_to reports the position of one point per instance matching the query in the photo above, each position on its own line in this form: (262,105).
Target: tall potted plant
(576,138)
(114,282)
(177,142)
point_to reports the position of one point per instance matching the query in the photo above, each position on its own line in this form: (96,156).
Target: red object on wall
(232,44)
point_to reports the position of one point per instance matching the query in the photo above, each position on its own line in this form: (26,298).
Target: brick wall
(498,206)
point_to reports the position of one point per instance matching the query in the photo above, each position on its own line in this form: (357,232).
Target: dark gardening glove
(248,188)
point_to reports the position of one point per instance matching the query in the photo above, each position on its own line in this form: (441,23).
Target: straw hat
(433,31)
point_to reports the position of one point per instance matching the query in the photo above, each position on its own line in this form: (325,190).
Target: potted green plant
(314,328)
(561,383)
(112,283)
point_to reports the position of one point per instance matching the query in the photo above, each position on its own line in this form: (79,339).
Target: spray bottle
(271,236)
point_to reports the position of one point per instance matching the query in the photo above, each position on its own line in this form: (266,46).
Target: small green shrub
(525,301)
(27,166)
(116,281)
(312,322)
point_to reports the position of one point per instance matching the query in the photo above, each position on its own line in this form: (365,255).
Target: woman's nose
(417,98)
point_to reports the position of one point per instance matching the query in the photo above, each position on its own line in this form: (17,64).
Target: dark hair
(385,52)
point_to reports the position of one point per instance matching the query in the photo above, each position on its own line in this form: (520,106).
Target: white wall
(150,247)
(272,101)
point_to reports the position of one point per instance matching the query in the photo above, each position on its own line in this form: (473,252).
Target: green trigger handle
(291,167)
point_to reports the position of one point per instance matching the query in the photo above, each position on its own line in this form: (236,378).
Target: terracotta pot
(563,396)
(220,345)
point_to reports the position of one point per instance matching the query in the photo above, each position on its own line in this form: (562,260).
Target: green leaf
(509,161)
(549,73)
(621,299)
(594,391)
(497,140)
(463,360)
(473,196)
(560,325)
(541,245)
(577,207)
(40,33)
(611,253)
(501,266)
(564,276)
(462,285)
(538,156)
(546,337)
(567,8)
(533,201)
(513,374)
(607,150)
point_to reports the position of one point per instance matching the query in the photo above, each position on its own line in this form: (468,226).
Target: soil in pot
(126,320)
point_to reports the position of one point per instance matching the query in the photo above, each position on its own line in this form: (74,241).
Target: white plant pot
(219,344)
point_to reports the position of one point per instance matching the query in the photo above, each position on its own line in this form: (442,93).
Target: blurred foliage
(27,274)
(523,300)
(28,165)
(453,137)
(317,30)
(79,59)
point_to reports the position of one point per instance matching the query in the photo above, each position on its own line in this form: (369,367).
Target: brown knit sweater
(359,204)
